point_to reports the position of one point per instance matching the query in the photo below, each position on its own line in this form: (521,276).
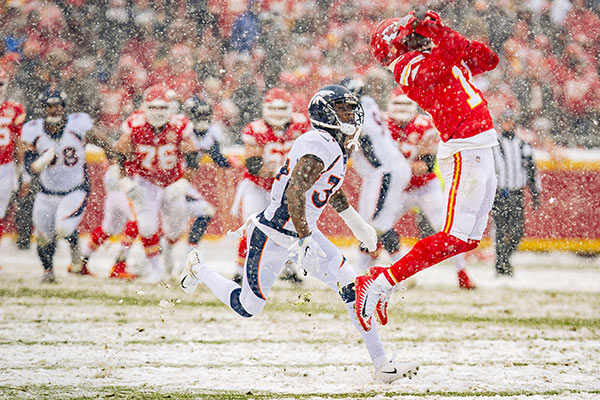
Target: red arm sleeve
(449,49)
(479,58)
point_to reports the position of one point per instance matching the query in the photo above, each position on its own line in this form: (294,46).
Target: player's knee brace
(390,241)
(198,229)
(236,305)
(348,294)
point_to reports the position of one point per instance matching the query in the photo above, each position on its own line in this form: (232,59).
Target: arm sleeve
(217,156)
(449,49)
(479,58)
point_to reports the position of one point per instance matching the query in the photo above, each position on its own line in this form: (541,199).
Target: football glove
(308,252)
(44,160)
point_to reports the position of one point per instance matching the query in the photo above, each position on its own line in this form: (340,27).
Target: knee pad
(390,241)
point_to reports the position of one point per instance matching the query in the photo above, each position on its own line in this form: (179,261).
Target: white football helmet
(400,107)
(156,105)
(277,107)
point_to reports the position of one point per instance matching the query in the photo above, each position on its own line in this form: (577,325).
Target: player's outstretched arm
(304,175)
(480,58)
(360,229)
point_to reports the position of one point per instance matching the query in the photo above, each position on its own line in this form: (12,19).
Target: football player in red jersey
(418,139)
(266,143)
(434,65)
(154,143)
(12,116)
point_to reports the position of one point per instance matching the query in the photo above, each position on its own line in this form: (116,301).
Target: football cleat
(390,371)
(48,276)
(382,304)
(82,269)
(118,271)
(188,279)
(366,302)
(464,282)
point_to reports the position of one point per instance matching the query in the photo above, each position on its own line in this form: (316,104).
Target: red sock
(98,237)
(130,233)
(242,250)
(427,252)
(151,245)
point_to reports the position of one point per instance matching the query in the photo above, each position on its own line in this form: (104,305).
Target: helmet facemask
(157,113)
(277,112)
(402,109)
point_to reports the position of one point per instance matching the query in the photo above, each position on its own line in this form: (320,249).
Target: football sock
(73,240)
(459,262)
(46,253)
(219,285)
(371,338)
(427,252)
(364,261)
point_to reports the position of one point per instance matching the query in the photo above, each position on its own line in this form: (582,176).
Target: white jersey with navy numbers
(275,220)
(378,149)
(214,134)
(67,172)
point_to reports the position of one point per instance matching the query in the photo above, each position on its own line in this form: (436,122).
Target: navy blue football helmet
(355,85)
(322,114)
(199,112)
(53,95)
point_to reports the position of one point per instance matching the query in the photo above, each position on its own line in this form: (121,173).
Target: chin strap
(354,143)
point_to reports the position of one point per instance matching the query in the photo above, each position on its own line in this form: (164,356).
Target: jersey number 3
(316,196)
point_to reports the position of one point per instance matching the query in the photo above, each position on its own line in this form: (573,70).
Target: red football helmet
(277,107)
(400,108)
(387,42)
(156,105)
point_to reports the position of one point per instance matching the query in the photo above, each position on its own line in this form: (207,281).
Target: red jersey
(408,139)
(12,116)
(157,155)
(440,81)
(276,144)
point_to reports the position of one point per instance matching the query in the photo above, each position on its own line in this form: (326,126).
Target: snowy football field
(535,336)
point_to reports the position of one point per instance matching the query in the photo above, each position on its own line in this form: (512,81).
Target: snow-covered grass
(534,336)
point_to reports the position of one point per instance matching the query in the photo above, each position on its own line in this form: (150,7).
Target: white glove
(127,185)
(176,189)
(44,160)
(360,229)
(112,178)
(308,252)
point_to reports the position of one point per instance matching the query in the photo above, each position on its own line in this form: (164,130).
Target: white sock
(371,338)
(459,262)
(220,286)
(155,263)
(381,282)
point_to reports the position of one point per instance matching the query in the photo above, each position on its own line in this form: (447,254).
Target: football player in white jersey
(55,155)
(384,172)
(311,177)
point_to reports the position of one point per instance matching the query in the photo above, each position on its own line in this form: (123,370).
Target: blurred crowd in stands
(104,53)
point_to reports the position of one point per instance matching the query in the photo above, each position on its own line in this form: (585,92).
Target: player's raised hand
(308,252)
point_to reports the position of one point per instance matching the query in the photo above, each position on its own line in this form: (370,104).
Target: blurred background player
(266,144)
(311,177)
(154,142)
(434,65)
(55,154)
(418,139)
(12,117)
(384,172)
(515,169)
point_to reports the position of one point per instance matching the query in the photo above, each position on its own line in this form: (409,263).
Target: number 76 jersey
(322,145)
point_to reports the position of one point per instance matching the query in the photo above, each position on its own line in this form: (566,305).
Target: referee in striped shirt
(515,169)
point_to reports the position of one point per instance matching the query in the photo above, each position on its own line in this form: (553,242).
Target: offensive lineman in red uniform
(266,143)
(434,65)
(12,116)
(154,143)
(417,139)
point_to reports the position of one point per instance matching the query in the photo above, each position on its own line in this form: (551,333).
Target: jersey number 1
(474,98)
